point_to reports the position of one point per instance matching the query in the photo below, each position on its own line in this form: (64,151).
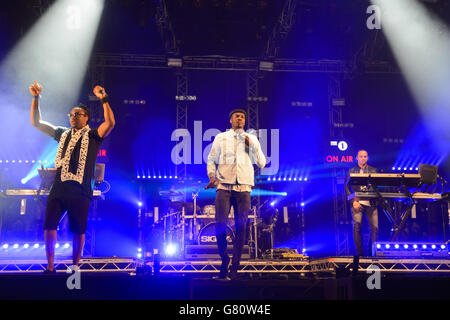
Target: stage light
(171,249)
(402,250)
(420,42)
(36,245)
(266,66)
(174,62)
(5,246)
(67,245)
(393,168)
(338,102)
(16,245)
(302,204)
(272,203)
(306,179)
(54,55)
(57,246)
(26,245)
(139,204)
(139,255)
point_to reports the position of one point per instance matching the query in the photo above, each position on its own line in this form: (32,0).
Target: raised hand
(35,89)
(99,92)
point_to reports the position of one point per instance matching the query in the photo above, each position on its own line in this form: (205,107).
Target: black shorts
(77,209)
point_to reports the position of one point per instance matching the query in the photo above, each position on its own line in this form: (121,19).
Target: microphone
(442,179)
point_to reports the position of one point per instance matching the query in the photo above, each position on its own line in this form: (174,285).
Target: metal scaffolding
(282,28)
(182,113)
(165,28)
(341,218)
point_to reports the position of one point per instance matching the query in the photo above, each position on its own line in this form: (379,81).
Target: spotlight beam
(421,43)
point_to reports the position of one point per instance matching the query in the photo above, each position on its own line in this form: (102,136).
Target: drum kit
(186,223)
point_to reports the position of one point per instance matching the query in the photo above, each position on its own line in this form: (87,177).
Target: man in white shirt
(230,170)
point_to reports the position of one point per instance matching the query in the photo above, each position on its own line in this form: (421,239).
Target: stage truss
(314,267)
(400,265)
(250,266)
(124,265)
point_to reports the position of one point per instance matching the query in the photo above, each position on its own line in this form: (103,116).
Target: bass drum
(208,234)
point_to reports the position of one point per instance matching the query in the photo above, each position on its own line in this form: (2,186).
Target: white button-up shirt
(229,160)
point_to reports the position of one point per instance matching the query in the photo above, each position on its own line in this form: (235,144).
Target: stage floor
(316,279)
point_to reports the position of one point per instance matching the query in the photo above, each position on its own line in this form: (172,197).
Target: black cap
(238,111)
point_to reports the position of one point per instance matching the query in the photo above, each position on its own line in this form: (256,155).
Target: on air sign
(339,159)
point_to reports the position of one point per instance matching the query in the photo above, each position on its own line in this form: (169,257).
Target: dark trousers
(372,218)
(241,204)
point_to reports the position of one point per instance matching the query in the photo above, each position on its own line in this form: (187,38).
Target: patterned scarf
(64,162)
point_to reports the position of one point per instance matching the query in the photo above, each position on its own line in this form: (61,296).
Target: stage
(330,278)
(152,138)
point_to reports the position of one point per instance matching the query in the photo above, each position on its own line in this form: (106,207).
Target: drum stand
(182,232)
(253,235)
(194,226)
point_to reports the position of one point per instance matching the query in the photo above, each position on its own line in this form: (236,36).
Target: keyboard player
(359,207)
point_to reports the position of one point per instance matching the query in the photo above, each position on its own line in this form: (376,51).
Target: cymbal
(170,193)
(188,207)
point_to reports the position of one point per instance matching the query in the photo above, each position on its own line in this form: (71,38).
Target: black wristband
(104,99)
